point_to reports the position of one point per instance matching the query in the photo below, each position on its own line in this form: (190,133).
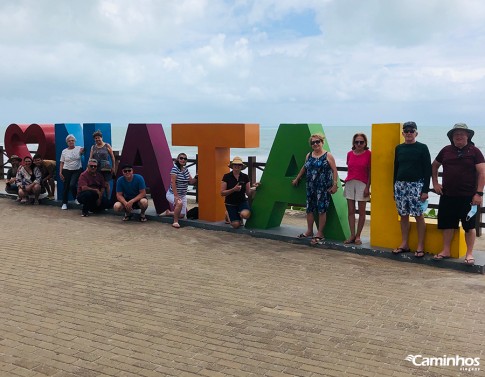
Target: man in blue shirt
(131,194)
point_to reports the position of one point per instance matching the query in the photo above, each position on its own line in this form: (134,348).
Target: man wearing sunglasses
(412,173)
(90,189)
(131,194)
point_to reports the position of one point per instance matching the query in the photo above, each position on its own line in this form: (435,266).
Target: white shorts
(171,199)
(354,190)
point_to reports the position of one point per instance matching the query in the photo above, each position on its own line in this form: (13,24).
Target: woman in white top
(70,168)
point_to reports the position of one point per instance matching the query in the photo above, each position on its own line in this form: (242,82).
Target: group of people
(320,171)
(461,190)
(34,177)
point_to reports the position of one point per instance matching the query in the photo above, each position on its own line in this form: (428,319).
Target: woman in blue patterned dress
(321,181)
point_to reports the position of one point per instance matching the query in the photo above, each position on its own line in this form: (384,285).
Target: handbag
(104,165)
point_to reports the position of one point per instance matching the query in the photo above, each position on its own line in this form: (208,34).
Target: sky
(334,62)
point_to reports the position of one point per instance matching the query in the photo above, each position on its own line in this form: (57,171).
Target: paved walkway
(97,297)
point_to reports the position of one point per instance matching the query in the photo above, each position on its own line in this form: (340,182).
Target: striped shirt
(182,180)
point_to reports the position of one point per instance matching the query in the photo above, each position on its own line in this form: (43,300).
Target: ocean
(339,140)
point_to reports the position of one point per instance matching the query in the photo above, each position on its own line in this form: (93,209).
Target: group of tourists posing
(461,190)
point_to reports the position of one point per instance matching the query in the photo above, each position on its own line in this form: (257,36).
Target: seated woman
(234,187)
(28,181)
(10,184)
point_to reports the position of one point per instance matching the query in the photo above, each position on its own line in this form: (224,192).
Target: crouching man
(90,189)
(131,194)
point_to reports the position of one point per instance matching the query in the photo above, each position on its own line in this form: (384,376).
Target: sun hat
(239,161)
(460,126)
(14,157)
(409,125)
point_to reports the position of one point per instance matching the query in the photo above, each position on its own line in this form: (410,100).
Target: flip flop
(317,241)
(400,250)
(176,225)
(350,240)
(358,241)
(470,261)
(143,219)
(127,217)
(303,235)
(419,254)
(441,257)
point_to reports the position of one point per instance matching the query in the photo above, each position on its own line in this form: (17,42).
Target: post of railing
(252,169)
(2,165)
(197,183)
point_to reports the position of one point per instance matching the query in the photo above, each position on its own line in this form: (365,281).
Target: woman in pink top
(357,184)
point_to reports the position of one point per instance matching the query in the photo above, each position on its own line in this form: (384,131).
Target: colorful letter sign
(214,142)
(146,148)
(285,160)
(17,136)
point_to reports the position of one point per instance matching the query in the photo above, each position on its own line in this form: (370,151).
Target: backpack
(193,214)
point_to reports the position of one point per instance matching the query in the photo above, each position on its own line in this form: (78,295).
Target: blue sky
(335,62)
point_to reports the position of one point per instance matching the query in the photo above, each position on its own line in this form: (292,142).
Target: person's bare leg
(447,237)
(421,227)
(322,219)
(309,223)
(351,218)
(470,237)
(404,232)
(176,211)
(361,221)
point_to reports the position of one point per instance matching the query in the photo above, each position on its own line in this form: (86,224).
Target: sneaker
(64,206)
(77,203)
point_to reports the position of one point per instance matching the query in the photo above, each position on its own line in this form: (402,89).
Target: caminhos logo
(470,364)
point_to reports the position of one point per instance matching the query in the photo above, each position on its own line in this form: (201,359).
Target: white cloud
(268,61)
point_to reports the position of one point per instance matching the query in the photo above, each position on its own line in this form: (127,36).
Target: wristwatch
(479,193)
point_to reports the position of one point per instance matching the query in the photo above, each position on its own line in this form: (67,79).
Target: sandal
(400,250)
(317,241)
(143,219)
(441,257)
(419,254)
(303,235)
(176,225)
(358,241)
(470,261)
(127,217)
(349,241)
(23,201)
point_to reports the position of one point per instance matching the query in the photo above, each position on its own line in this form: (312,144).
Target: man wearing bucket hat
(10,185)
(234,187)
(461,187)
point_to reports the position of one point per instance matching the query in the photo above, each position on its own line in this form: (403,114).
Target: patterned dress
(319,179)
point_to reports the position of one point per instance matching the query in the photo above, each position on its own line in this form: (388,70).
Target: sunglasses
(183,158)
(237,165)
(127,170)
(359,142)
(409,131)
(93,166)
(316,142)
